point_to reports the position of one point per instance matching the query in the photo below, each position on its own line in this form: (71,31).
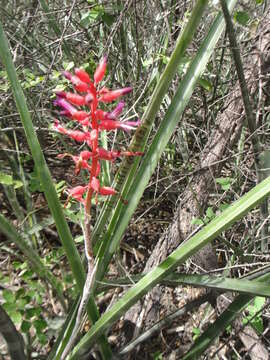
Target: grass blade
(225,319)
(219,283)
(123,213)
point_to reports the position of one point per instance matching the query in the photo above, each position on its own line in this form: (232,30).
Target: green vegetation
(203,175)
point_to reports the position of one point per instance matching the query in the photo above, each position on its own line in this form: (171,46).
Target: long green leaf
(140,137)
(65,333)
(219,283)
(122,214)
(225,319)
(224,221)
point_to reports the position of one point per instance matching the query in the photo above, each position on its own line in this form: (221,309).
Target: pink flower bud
(117,111)
(100,70)
(65,105)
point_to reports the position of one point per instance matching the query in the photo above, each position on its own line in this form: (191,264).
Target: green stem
(14,339)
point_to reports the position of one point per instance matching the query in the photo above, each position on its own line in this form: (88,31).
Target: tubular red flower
(114,124)
(101,115)
(79,85)
(77,192)
(80,116)
(114,94)
(106,190)
(100,70)
(74,99)
(83,76)
(74,134)
(60,101)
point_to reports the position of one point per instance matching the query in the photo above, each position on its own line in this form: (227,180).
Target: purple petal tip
(127,90)
(67,74)
(60,93)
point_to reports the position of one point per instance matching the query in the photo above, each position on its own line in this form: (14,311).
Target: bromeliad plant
(93,121)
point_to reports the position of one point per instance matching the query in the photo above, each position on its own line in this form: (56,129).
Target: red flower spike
(83,76)
(100,70)
(93,121)
(114,94)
